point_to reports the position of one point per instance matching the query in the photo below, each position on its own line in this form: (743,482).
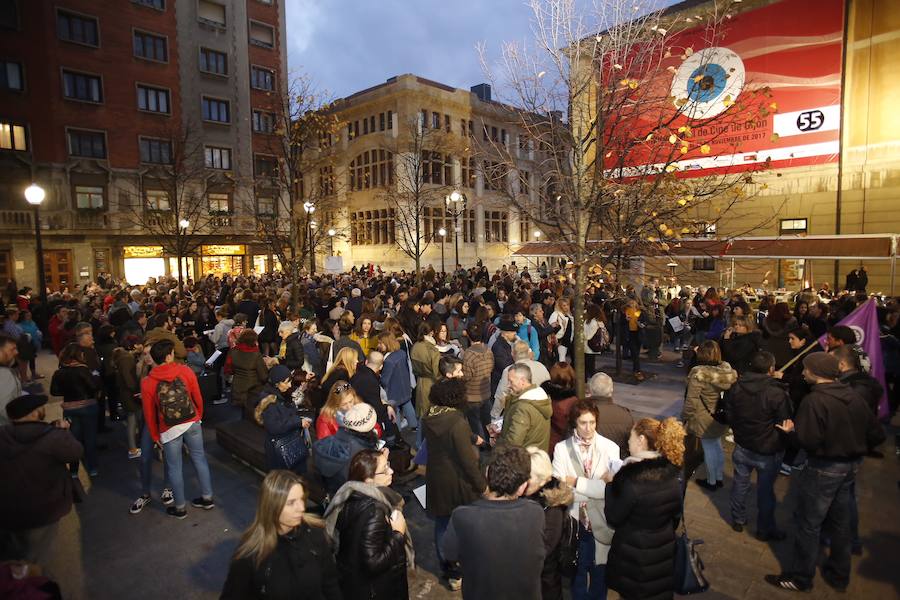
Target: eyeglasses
(387,471)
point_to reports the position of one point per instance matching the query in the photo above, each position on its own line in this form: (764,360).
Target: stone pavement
(151,555)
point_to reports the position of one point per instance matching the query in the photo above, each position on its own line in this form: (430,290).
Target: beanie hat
(360,418)
(822,364)
(279,373)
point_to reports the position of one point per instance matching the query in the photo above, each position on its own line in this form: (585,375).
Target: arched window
(372,169)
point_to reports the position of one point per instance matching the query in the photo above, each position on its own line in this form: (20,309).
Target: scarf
(585,451)
(384,496)
(429,338)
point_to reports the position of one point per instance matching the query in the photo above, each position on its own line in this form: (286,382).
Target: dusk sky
(349,45)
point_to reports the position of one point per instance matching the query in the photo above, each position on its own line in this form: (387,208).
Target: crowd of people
(367,378)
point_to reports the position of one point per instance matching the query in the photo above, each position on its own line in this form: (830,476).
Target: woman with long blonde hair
(284,549)
(339,400)
(343,368)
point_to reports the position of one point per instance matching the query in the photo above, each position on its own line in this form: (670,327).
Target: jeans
(133,424)
(479,416)
(823,500)
(449,569)
(589,581)
(147,461)
(193,437)
(408,411)
(766,466)
(714,457)
(84,428)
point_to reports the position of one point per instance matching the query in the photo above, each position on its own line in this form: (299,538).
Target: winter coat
(158,334)
(311,354)
(366,344)
(371,558)
(478,363)
(834,422)
(168,372)
(128,386)
(755,403)
(334,453)
(269,321)
(589,488)
(526,420)
(294,354)
(35,476)
(302,560)
(614,422)
(456,325)
(643,504)
(775,340)
(76,384)
(739,349)
(425,358)
(502,351)
(705,386)
(562,399)
(279,416)
(555,499)
(250,373)
(798,388)
(395,378)
(249,308)
(453,476)
(866,386)
(345,341)
(367,386)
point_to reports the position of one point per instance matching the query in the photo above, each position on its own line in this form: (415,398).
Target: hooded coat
(453,476)
(643,504)
(250,373)
(555,499)
(866,386)
(705,386)
(526,420)
(425,358)
(150,400)
(834,422)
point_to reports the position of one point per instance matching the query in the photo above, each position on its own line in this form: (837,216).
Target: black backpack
(175,404)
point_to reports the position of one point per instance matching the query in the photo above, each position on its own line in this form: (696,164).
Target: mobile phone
(380,444)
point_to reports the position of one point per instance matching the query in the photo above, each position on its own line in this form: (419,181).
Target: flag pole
(798,357)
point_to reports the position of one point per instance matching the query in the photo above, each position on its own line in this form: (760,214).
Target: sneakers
(203,503)
(93,472)
(139,504)
(220,400)
(786,582)
(167,497)
(454,583)
(785,470)
(680,364)
(178,514)
(134,453)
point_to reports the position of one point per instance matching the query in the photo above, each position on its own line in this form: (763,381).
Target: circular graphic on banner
(711,80)
(860,334)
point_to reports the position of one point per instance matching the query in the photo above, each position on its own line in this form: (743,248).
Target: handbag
(719,414)
(689,577)
(568,547)
(291,448)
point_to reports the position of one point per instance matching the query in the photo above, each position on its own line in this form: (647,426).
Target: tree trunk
(578,314)
(180,276)
(618,319)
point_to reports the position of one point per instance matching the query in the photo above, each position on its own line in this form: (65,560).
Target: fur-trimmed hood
(560,494)
(557,392)
(651,469)
(721,376)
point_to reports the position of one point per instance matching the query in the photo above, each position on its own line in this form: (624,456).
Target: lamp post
(331,234)
(456,206)
(35,194)
(443,233)
(310,208)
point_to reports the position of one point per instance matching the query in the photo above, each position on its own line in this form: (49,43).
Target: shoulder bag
(689,577)
(291,448)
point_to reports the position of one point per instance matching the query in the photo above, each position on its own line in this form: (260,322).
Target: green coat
(526,419)
(705,385)
(425,358)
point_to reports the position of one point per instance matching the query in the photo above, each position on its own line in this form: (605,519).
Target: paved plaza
(151,555)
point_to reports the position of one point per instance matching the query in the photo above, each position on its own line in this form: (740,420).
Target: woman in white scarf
(587,461)
(561,320)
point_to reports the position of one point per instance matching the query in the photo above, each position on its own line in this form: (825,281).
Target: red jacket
(167,372)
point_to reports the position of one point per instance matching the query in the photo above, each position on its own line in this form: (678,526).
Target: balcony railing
(16,219)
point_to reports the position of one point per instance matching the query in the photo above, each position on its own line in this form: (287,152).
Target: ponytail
(665,437)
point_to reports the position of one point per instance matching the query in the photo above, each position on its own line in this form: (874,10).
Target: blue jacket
(395,378)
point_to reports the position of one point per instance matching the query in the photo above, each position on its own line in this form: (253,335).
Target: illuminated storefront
(222,259)
(143,262)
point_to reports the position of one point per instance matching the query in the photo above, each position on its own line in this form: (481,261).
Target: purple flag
(864,323)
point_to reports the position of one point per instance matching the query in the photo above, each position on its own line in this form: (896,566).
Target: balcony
(16,219)
(91,219)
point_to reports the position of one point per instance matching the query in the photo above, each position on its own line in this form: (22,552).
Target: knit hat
(279,373)
(24,405)
(360,418)
(822,364)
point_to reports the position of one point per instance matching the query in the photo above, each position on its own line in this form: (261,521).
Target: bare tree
(613,138)
(170,202)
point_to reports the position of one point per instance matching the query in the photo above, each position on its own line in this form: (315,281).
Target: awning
(825,247)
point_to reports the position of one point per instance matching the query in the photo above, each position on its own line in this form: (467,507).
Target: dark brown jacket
(452,477)
(615,423)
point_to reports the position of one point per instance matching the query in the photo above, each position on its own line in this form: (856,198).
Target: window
(437,168)
(87,144)
(326,139)
(524,227)
(372,227)
(494,176)
(155,151)
(11,76)
(13,136)
(706,230)
(524,185)
(151,46)
(153,99)
(372,169)
(447,123)
(503,138)
(265,166)
(219,203)
(217,158)
(81,86)
(496,226)
(213,61)
(435,218)
(326,180)
(157,4)
(80,29)
(211,13)
(263,122)
(704,264)
(468,172)
(793,226)
(380,121)
(262,79)
(390,119)
(216,110)
(435,120)
(523,141)
(9,14)
(157,200)
(262,35)
(265,206)
(88,196)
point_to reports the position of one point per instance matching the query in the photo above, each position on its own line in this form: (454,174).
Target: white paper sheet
(420,495)
(213,358)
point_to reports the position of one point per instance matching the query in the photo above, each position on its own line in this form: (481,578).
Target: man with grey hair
(614,422)
(526,420)
(521,353)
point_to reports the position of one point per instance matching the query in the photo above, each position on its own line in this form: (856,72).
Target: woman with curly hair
(643,504)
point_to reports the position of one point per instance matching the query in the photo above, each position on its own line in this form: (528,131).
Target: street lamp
(310,208)
(456,206)
(331,234)
(184,224)
(443,233)
(35,194)
(537,235)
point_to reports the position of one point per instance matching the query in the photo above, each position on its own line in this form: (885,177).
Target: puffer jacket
(643,504)
(705,386)
(526,420)
(555,499)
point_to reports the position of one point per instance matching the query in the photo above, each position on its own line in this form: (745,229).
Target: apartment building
(95,97)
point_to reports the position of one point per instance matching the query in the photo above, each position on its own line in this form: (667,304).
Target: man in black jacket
(853,375)
(755,405)
(836,428)
(367,384)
